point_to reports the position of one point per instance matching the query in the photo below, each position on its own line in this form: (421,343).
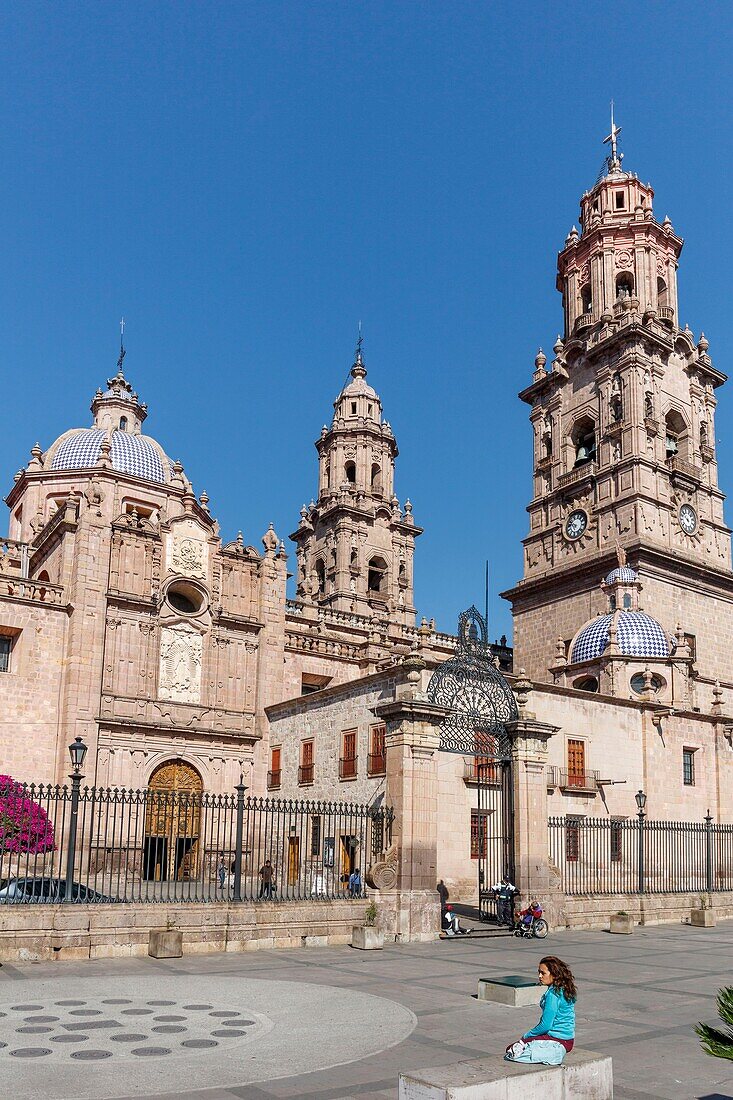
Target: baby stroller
(530,922)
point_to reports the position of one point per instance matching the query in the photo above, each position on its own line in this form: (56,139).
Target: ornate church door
(172,822)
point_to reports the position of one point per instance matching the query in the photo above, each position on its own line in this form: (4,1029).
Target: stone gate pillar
(408,902)
(529,793)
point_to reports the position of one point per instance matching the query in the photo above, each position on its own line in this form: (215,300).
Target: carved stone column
(410,910)
(529,739)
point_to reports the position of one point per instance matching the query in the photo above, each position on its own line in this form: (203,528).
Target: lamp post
(240,788)
(77,752)
(640,798)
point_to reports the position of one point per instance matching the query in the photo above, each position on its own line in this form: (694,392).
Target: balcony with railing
(578,474)
(273,779)
(666,315)
(306,774)
(347,767)
(376,763)
(570,782)
(682,467)
(585,320)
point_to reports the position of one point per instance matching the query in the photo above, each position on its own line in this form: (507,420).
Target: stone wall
(595,912)
(48,932)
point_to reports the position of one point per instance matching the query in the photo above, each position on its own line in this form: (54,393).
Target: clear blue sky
(246,181)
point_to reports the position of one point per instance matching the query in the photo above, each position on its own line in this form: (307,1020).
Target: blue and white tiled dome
(137,455)
(622,573)
(637,635)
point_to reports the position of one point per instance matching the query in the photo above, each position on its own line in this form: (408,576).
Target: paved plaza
(334,1023)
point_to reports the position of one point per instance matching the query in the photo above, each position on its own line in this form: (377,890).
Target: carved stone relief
(187,551)
(181,650)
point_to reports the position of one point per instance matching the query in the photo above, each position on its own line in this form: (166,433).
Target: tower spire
(614,161)
(358,370)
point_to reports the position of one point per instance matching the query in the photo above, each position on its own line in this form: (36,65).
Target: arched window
(586,683)
(625,285)
(123,423)
(675,434)
(627,601)
(584,439)
(321,576)
(662,293)
(586,298)
(377,578)
(350,472)
(43,576)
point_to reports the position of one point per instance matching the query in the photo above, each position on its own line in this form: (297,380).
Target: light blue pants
(545,1051)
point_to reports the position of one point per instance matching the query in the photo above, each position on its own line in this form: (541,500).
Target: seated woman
(553,1037)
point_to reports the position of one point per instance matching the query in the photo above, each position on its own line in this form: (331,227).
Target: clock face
(688,519)
(576,524)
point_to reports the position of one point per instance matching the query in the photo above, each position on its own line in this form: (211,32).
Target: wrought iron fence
(117,845)
(637,856)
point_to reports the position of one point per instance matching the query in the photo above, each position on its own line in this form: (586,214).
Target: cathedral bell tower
(355,544)
(624,437)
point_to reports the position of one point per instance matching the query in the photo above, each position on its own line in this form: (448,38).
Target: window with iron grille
(572,839)
(6,644)
(479,824)
(274,774)
(377,762)
(486,747)
(306,771)
(616,841)
(688,767)
(315,836)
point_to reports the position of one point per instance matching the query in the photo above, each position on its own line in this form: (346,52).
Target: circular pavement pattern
(96,1029)
(121,1034)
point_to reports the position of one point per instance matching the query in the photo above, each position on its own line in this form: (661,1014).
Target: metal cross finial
(359,342)
(612,140)
(122,344)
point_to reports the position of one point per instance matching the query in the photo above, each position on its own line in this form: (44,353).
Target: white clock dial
(688,519)
(576,524)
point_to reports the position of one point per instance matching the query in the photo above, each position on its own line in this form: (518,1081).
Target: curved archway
(172,822)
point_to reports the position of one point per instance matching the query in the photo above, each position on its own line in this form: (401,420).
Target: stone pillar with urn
(406,874)
(529,737)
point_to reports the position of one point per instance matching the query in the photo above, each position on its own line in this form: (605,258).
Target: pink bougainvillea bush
(24,825)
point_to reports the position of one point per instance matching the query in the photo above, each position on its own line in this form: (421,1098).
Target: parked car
(44,890)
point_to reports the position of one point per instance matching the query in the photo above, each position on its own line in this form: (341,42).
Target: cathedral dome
(637,635)
(623,573)
(136,455)
(118,417)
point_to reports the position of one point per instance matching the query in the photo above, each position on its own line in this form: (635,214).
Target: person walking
(267,874)
(505,893)
(355,883)
(553,1037)
(221,872)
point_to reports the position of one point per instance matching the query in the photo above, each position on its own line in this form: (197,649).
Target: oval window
(184,598)
(638,679)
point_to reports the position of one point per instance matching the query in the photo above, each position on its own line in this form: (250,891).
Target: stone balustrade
(19,588)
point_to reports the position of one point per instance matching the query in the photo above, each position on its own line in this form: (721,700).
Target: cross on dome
(614,161)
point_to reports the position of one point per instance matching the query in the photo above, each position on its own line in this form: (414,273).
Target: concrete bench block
(165,943)
(510,989)
(585,1075)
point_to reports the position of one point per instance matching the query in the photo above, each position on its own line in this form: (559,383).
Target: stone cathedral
(127,618)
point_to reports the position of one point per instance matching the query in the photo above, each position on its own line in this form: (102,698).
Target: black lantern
(640,801)
(77,752)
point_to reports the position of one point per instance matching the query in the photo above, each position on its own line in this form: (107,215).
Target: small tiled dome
(137,455)
(637,635)
(622,573)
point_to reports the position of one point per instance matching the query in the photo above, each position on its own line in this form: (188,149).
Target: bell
(582,454)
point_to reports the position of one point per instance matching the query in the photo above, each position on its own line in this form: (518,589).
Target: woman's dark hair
(562,978)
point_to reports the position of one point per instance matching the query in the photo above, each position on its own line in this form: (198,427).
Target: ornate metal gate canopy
(476,695)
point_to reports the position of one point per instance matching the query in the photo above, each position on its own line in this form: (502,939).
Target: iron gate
(480,703)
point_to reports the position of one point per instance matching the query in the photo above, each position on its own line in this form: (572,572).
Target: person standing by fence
(267,874)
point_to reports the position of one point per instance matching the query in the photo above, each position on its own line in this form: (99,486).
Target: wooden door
(576,763)
(293,859)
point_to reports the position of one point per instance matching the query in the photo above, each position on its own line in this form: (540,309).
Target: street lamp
(641,803)
(77,752)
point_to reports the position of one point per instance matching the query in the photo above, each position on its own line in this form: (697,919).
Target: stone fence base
(44,932)
(591,911)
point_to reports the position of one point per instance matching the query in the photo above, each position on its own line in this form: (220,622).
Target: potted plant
(366,936)
(622,923)
(703,916)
